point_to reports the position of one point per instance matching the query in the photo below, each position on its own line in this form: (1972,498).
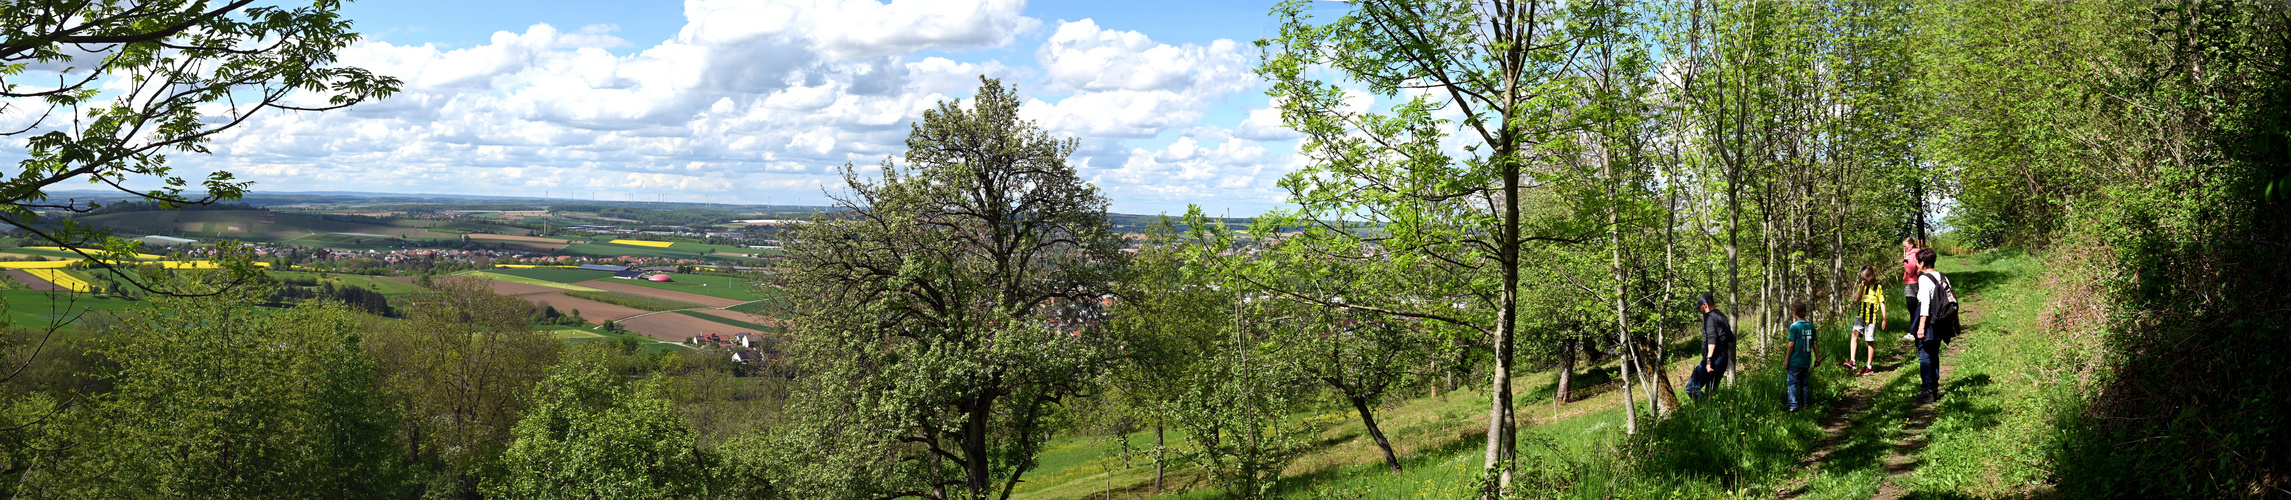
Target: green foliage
(589,435)
(942,324)
(233,403)
(460,367)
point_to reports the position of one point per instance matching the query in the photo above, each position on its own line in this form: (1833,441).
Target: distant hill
(259,225)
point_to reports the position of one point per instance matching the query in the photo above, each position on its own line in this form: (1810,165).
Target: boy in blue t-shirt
(1802,357)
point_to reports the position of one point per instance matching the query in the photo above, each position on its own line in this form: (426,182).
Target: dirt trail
(1854,405)
(1906,453)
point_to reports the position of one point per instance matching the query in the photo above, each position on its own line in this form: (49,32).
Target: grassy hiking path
(1980,441)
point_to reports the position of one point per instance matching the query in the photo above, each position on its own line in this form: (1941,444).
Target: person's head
(1798,309)
(1706,303)
(1925,258)
(1911,244)
(1868,275)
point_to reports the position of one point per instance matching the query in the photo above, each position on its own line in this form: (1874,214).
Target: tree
(954,307)
(230,402)
(587,435)
(114,86)
(461,367)
(1414,193)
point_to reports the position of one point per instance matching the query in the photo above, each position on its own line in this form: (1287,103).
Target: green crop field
(634,300)
(35,309)
(707,284)
(611,250)
(528,281)
(388,288)
(728,321)
(40,252)
(553,274)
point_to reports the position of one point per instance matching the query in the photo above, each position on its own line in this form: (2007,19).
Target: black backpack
(1944,321)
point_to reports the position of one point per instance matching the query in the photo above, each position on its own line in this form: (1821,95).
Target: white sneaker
(1909,337)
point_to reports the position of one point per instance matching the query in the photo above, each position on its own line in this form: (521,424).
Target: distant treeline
(145,206)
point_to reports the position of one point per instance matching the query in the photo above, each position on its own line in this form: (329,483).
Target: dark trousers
(1794,387)
(1705,376)
(1929,363)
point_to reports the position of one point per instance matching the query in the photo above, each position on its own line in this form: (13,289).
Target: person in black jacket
(1717,348)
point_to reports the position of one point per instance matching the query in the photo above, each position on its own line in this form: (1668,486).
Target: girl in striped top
(1869,314)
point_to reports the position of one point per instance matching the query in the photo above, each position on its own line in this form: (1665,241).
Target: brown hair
(1913,242)
(1798,308)
(1868,276)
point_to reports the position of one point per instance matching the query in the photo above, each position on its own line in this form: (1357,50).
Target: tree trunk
(1368,418)
(1566,372)
(1500,437)
(1621,298)
(1160,447)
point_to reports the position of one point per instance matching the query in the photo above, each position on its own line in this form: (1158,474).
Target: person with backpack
(1940,302)
(1868,318)
(1803,357)
(1717,348)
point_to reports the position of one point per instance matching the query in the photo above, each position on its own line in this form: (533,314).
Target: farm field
(728,318)
(592,311)
(387,286)
(548,286)
(706,284)
(639,287)
(673,327)
(34,308)
(554,274)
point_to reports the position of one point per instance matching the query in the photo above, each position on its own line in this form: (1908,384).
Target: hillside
(255,225)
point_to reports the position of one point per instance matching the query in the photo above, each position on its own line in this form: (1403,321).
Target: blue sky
(758,101)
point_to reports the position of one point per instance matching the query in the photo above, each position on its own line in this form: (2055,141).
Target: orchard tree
(589,435)
(943,319)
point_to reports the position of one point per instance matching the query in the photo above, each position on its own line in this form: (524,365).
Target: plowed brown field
(34,282)
(624,286)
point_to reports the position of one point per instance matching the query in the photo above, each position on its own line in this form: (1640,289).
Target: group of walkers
(1932,305)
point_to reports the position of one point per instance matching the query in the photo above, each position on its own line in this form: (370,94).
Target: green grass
(725,287)
(1996,418)
(756,308)
(727,321)
(36,309)
(577,335)
(570,333)
(634,300)
(553,274)
(388,288)
(42,252)
(529,281)
(611,250)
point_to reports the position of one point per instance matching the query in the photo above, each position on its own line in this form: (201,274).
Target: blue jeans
(1699,383)
(1794,387)
(1929,363)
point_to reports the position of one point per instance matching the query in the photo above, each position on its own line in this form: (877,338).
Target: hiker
(1803,357)
(1717,347)
(1909,248)
(1933,291)
(1868,318)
